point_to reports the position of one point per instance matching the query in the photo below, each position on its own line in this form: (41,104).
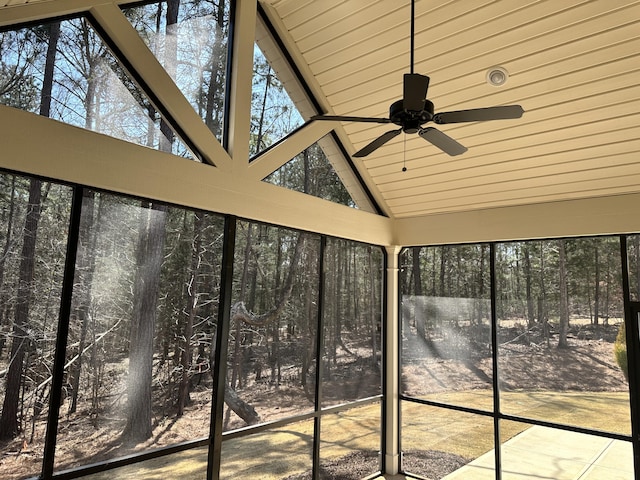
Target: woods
(558,310)
(540,284)
(144,318)
(531,330)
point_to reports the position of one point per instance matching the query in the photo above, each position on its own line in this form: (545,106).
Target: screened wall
(192,283)
(515,360)
(182,343)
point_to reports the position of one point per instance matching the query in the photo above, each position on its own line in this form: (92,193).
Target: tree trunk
(4,297)
(149,258)
(596,297)
(308,321)
(542,299)
(418,304)
(564,295)
(372,305)
(607,290)
(192,307)
(214,92)
(443,267)
(479,293)
(527,279)
(263,110)
(417,272)
(85,266)
(237,345)
(9,421)
(8,237)
(274,351)
(245,411)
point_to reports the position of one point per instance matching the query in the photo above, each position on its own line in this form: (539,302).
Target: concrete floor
(546,453)
(543,453)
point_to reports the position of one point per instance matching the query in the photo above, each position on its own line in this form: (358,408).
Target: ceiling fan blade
(414,91)
(377,143)
(342,118)
(443,141)
(479,114)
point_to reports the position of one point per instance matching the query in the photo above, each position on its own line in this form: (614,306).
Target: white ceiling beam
(33,12)
(577,217)
(281,153)
(76,155)
(239,95)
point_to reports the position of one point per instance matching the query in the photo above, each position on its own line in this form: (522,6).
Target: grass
(470,436)
(278,453)
(269,455)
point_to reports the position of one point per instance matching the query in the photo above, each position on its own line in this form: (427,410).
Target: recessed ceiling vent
(497,76)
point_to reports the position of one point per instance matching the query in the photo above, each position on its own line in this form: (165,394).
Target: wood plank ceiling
(8,3)
(573,65)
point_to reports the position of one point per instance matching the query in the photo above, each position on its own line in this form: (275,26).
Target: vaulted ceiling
(572,65)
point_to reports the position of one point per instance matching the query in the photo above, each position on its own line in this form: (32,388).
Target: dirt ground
(353,466)
(526,361)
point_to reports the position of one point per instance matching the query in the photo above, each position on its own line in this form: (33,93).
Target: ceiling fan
(414,110)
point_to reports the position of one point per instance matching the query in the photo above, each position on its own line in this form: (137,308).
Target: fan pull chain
(404,154)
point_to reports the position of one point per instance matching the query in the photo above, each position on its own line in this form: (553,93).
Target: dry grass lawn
(470,436)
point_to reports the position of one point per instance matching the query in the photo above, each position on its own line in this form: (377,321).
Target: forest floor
(528,364)
(527,361)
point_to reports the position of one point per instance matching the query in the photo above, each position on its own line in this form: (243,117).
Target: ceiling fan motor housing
(410,120)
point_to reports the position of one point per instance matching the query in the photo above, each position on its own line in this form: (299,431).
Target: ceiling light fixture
(497,76)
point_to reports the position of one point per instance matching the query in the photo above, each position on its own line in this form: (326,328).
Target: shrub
(620,351)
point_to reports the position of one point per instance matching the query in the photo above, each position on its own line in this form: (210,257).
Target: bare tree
(192,306)
(564,295)
(85,267)
(149,257)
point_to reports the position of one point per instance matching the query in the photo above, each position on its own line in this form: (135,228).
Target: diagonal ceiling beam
(239,96)
(279,154)
(79,156)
